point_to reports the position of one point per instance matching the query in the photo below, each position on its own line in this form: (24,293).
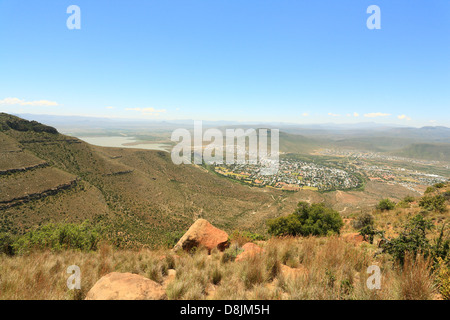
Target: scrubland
(287,268)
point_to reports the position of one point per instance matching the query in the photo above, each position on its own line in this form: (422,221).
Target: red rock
(125,286)
(250,249)
(202,233)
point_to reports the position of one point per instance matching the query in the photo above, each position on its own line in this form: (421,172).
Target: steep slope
(32,190)
(141,194)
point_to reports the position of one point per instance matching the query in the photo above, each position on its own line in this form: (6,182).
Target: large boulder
(125,286)
(202,233)
(250,250)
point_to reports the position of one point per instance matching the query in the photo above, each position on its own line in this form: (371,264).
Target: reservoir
(125,142)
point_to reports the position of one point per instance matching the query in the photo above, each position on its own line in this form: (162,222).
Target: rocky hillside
(49,177)
(140,195)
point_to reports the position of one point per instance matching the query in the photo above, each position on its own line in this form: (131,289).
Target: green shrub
(61,236)
(369,232)
(363,220)
(446,195)
(433,203)
(441,248)
(6,244)
(411,240)
(243,237)
(365,224)
(172,238)
(439,185)
(403,204)
(25,125)
(385,205)
(430,190)
(306,220)
(443,278)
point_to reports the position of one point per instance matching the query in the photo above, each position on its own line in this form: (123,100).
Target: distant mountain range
(59,120)
(429,142)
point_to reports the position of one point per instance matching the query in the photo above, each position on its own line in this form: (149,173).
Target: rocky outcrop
(250,249)
(32,167)
(202,233)
(126,286)
(118,173)
(5,204)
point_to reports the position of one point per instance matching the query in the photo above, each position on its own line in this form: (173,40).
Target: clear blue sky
(250,60)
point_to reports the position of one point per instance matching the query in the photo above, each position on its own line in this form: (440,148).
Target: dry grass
(416,281)
(291,268)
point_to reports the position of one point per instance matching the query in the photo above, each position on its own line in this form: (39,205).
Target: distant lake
(120,141)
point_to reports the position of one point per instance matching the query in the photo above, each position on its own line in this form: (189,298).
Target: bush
(25,125)
(446,195)
(430,190)
(6,244)
(242,237)
(172,238)
(316,220)
(441,248)
(412,240)
(443,277)
(385,205)
(439,185)
(56,237)
(363,220)
(369,232)
(403,204)
(433,203)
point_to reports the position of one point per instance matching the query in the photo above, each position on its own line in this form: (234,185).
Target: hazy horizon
(372,124)
(296,62)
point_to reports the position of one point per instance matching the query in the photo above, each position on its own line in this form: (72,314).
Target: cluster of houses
(292,175)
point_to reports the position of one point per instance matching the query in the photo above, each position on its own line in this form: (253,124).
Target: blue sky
(247,60)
